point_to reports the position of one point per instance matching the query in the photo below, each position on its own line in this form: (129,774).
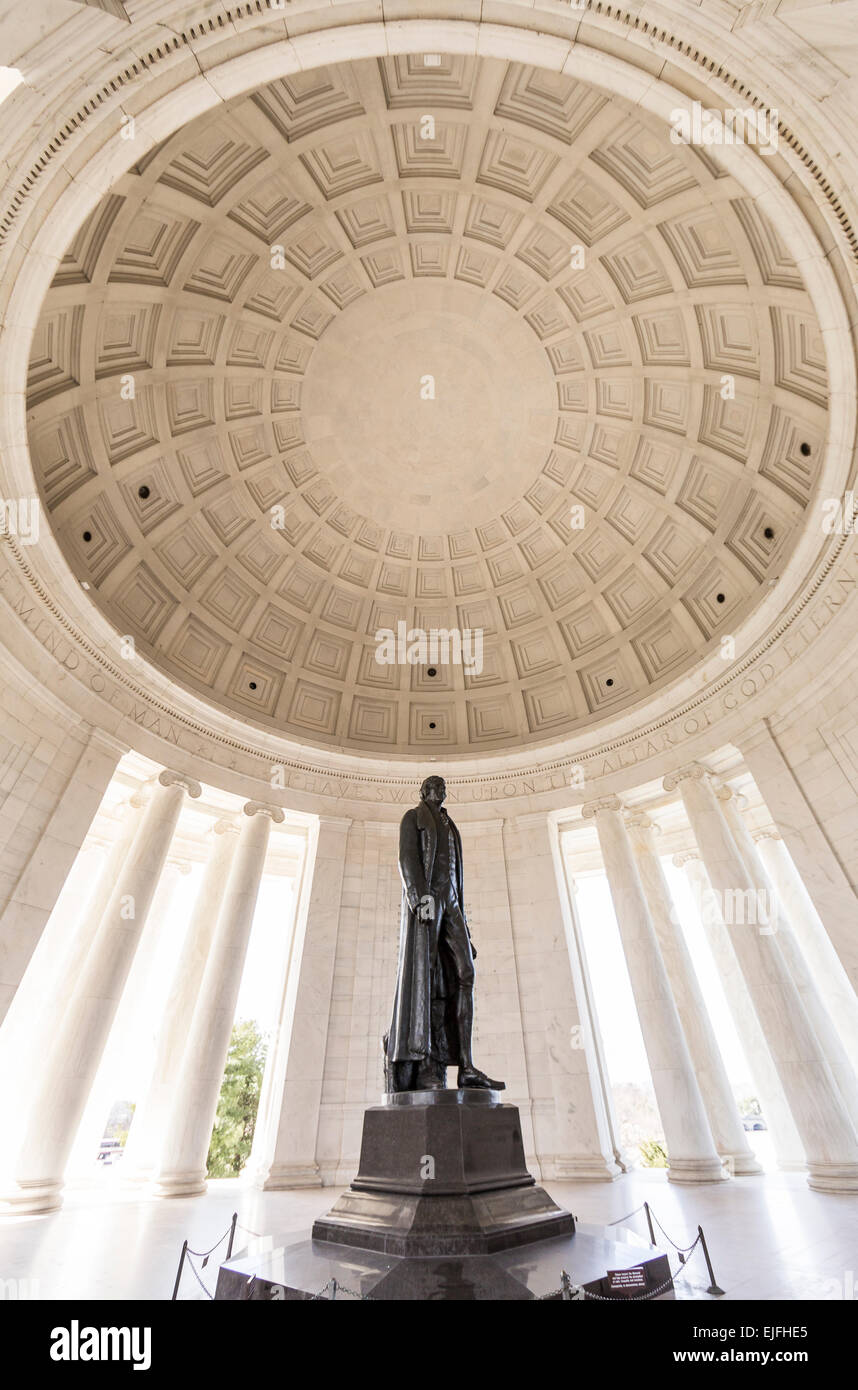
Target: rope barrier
(336,1288)
(620,1219)
(670,1238)
(204,1254)
(569,1291)
(652,1293)
(566,1291)
(196,1275)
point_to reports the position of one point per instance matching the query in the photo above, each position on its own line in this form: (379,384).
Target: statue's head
(434,789)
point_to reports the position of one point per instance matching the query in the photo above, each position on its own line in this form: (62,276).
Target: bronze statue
(433,1011)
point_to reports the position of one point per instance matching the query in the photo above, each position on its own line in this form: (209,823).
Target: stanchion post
(333,1289)
(179,1271)
(231,1234)
(649,1223)
(565,1287)
(713,1287)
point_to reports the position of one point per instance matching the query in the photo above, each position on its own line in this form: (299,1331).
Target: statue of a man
(433,1012)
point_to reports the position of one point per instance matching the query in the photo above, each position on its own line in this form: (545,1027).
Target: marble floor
(769,1237)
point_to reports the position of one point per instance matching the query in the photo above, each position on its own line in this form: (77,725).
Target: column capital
(727,793)
(223,827)
(168,778)
(754,735)
(639,820)
(766,835)
(696,772)
(484,827)
(336,822)
(531,820)
(180,866)
(590,809)
(107,742)
(260,808)
(686,856)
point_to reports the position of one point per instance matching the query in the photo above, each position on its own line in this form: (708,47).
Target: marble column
(50,977)
(133,1025)
(134,1016)
(833,982)
(806,839)
(826,1130)
(285,1138)
(69,1068)
(786,1141)
(820,1018)
(148,1127)
(32,899)
(720,1104)
(587,1004)
(692,1157)
(130,817)
(570,1126)
(181,1169)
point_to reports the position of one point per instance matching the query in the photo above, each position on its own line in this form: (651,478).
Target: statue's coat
(421,1026)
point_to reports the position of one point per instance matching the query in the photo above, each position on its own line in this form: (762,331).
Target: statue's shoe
(472,1079)
(430,1078)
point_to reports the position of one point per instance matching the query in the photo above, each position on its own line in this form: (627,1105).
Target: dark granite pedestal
(442,1173)
(306,1270)
(442,1208)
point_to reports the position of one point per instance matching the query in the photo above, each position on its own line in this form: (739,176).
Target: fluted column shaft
(826,1131)
(42,996)
(285,1138)
(110,872)
(691,1151)
(133,1027)
(150,1118)
(716,1091)
(820,1019)
(822,873)
(71,1064)
(764,1075)
(570,1126)
(833,982)
(32,898)
(182,1163)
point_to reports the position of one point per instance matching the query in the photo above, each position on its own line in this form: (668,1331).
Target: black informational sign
(624,1280)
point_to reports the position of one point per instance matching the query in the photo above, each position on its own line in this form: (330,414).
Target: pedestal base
(308,1270)
(442,1173)
(832,1177)
(179,1185)
(32,1198)
(743,1165)
(289,1175)
(696,1170)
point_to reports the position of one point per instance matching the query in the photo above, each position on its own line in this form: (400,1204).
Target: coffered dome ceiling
(245,462)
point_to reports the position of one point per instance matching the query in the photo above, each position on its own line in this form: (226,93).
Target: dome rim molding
(613,731)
